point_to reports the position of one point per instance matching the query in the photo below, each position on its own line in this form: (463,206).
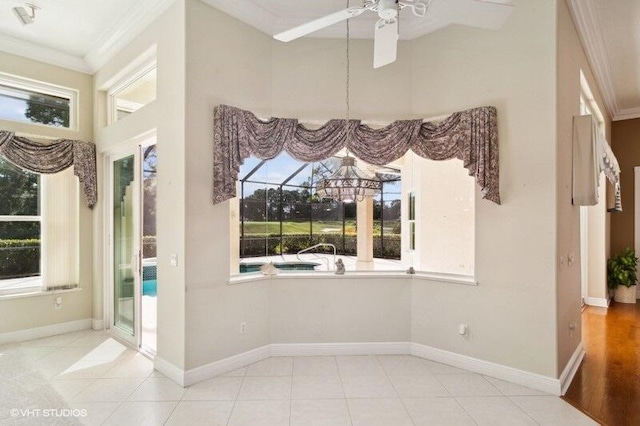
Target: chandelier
(348,183)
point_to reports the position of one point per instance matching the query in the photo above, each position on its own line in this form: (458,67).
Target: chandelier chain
(348,104)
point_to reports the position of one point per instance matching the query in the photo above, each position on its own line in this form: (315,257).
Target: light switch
(173,260)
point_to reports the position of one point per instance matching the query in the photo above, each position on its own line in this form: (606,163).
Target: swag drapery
(471,136)
(54,157)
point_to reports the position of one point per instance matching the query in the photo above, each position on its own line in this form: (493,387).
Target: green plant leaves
(622,269)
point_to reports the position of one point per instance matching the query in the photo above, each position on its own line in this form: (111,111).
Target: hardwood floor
(607,384)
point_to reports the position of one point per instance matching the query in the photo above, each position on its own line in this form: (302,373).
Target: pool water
(150,288)
(286,266)
(149,280)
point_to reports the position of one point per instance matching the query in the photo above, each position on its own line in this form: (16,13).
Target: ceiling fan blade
(318,24)
(385,45)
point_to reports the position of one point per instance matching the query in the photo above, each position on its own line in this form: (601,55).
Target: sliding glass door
(125,244)
(131,248)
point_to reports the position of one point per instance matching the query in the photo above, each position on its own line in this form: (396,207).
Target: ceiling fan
(386,29)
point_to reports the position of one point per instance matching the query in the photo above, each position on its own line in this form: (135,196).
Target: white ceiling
(272,17)
(62,25)
(84,34)
(77,34)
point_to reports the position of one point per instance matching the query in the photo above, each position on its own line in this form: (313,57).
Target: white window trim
(38,293)
(412,222)
(355,275)
(127,80)
(23,83)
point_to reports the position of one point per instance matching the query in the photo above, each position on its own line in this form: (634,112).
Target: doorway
(131,252)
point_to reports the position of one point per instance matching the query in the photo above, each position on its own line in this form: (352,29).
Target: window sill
(446,278)
(38,293)
(355,275)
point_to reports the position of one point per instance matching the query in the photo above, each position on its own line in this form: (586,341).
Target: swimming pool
(149,279)
(286,266)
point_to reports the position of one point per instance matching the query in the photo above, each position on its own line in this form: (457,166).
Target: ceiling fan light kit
(486,14)
(385,30)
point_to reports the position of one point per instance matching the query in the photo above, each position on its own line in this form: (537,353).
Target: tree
(50,110)
(149,180)
(18,196)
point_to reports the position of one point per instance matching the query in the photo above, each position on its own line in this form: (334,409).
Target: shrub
(19,258)
(293,243)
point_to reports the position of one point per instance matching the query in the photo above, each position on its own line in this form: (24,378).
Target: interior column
(365,234)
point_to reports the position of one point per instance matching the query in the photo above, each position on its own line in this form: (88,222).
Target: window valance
(54,157)
(471,136)
(592,156)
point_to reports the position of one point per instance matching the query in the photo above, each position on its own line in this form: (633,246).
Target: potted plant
(622,273)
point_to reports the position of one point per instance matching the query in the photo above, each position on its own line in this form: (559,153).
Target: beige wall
(18,314)
(571,60)
(626,146)
(511,313)
(340,310)
(165,116)
(226,62)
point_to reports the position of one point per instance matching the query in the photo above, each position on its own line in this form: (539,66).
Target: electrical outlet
(57,303)
(463,329)
(243,327)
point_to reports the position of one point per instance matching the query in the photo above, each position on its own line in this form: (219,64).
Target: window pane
(32,107)
(138,93)
(19,194)
(19,249)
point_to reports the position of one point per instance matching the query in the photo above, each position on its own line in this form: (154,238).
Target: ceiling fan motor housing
(388,9)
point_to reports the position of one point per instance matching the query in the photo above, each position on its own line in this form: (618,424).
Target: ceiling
(610,31)
(272,17)
(84,34)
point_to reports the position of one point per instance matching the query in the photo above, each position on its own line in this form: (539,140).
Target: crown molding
(627,114)
(584,17)
(117,36)
(41,53)
(110,42)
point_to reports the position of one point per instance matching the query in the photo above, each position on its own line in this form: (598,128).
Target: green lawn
(288,228)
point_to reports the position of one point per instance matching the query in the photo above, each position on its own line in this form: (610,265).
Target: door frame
(134,147)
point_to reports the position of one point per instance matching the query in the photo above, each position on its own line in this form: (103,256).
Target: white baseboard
(171,371)
(97,324)
(216,368)
(46,331)
(333,349)
(602,302)
(514,375)
(570,370)
(498,371)
(222,366)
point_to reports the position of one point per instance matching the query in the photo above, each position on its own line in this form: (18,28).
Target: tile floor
(88,378)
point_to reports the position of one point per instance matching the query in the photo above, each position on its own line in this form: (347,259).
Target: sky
(13,109)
